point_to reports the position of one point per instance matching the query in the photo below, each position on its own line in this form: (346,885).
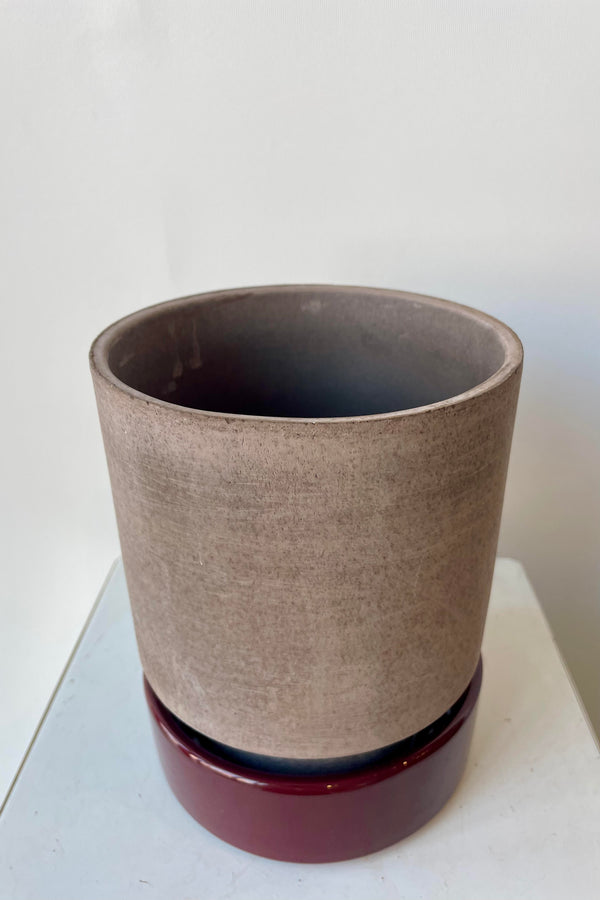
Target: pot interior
(305,352)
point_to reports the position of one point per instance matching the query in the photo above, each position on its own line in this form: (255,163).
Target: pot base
(318,817)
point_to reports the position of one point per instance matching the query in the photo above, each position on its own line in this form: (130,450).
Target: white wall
(160,148)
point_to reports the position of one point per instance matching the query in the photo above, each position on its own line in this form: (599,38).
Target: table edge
(59,683)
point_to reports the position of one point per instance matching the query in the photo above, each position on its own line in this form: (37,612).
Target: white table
(90,815)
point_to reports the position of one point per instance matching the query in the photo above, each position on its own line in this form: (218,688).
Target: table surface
(90,815)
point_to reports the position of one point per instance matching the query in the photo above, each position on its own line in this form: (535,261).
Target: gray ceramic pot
(308,483)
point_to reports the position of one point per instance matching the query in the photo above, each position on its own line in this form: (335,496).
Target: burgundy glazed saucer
(317,817)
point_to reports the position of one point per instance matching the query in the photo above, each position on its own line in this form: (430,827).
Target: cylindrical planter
(308,483)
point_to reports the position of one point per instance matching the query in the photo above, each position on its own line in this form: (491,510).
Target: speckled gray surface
(308,587)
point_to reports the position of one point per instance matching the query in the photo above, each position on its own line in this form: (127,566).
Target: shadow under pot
(308,483)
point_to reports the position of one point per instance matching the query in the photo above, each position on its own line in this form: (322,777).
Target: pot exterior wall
(308,589)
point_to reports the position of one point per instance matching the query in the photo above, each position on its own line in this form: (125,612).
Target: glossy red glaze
(314,818)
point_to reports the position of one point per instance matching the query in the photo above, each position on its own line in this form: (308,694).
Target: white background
(154,149)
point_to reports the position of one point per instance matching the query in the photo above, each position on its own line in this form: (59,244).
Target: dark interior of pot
(305,352)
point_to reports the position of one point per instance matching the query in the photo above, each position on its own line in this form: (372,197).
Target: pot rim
(510,342)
